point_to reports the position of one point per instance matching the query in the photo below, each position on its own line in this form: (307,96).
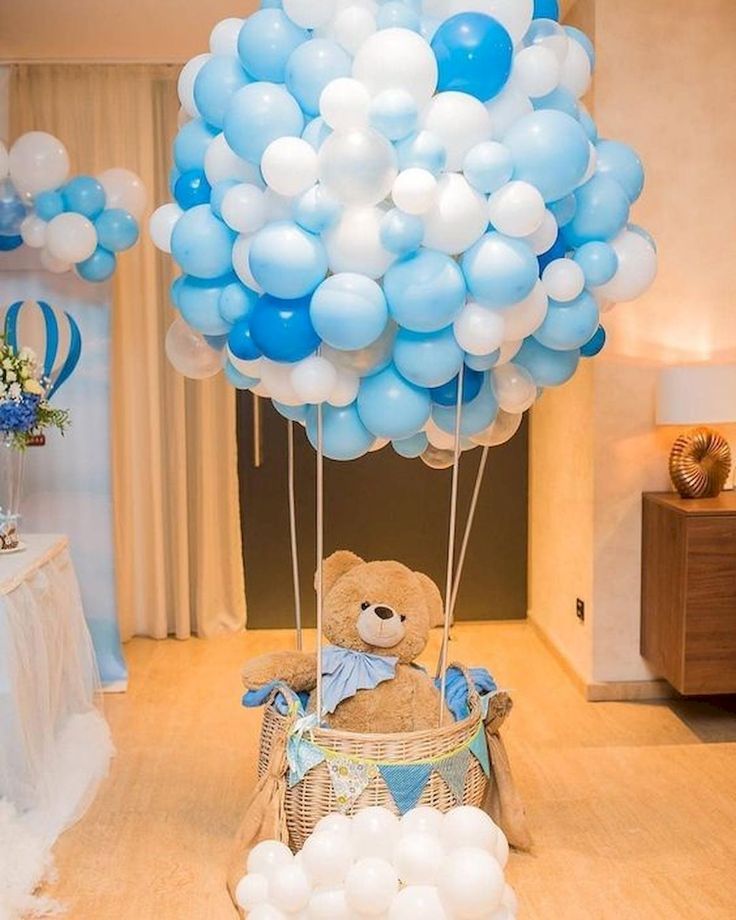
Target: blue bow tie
(345,671)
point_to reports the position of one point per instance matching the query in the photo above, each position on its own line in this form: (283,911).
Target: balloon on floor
(80,223)
(395,210)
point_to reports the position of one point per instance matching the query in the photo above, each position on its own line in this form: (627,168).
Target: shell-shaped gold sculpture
(700,463)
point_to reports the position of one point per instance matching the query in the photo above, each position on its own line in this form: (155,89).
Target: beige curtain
(178,545)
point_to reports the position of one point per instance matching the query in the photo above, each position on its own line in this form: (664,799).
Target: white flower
(28,354)
(8,364)
(11,376)
(14,391)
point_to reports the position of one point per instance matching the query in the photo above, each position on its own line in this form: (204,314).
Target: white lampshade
(697,394)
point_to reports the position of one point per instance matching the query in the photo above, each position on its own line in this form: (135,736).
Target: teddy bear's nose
(385,613)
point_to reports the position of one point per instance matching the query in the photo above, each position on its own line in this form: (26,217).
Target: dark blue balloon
(116,229)
(48,205)
(98,267)
(8,243)
(241,342)
(446,395)
(85,195)
(474,55)
(547,9)
(558,251)
(282,329)
(192,188)
(595,345)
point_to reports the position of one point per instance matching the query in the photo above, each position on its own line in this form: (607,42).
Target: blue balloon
(401,233)
(547,9)
(446,395)
(475,416)
(286,261)
(411,447)
(558,250)
(397,15)
(499,270)
(588,124)
(311,67)
(9,243)
(117,229)
(173,176)
(391,407)
(216,84)
(258,114)
(282,329)
(217,194)
(569,325)
(564,209)
(548,368)
(550,150)
(349,311)
(202,244)
(12,209)
(481,362)
(474,55)
(191,143)
(240,341)
(559,100)
(48,205)
(425,291)
(394,114)
(238,380)
(620,162)
(175,290)
(237,302)
(198,301)
(423,150)
(344,436)
(602,212)
(191,189)
(598,261)
(316,132)
(582,39)
(216,342)
(293,413)
(266,41)
(488,166)
(594,345)
(85,195)
(316,210)
(98,267)
(428,359)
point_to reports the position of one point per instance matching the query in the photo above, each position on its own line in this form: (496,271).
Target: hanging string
(292,533)
(468,528)
(320,557)
(450,551)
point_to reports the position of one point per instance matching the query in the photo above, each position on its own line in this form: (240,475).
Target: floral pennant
(406,783)
(453,771)
(478,747)
(349,778)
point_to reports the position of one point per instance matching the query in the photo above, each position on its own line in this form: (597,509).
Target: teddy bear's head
(378,607)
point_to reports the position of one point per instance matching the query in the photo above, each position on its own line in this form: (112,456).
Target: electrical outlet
(580,610)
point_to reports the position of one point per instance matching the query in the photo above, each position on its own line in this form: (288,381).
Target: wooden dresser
(688,599)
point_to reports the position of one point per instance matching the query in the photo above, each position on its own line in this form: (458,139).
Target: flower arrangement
(24,410)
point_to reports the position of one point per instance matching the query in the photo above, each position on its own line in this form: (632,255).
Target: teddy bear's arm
(296,669)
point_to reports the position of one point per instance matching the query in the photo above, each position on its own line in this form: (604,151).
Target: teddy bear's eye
(403,618)
(365,605)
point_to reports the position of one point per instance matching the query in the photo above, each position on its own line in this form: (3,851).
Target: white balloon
(438,437)
(33,231)
(504,427)
(543,239)
(371,885)
(467,826)
(418,858)
(276,378)
(525,317)
(345,390)
(506,108)
(52,264)
(502,845)
(576,71)
(241,262)
(508,351)
(397,59)
(536,71)
(161,225)
(352,27)
(4,160)
(514,15)
(458,218)
(471,883)
(509,899)
(124,189)
(417,901)
(479,331)
(71,237)
(549,34)
(289,889)
(357,167)
(310,14)
(221,162)
(185,84)
(182,117)
(364,361)
(278,207)
(329,904)
(354,243)
(414,190)
(244,208)
(327,858)
(592,164)
(423,820)
(251,890)
(344,104)
(334,823)
(460,121)
(313,379)
(248,368)
(289,166)
(637,269)
(517,209)
(268,857)
(267,912)
(379,444)
(37,162)
(515,391)
(375,832)
(224,36)
(563,280)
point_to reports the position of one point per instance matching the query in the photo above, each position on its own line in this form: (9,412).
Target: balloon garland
(80,223)
(373,198)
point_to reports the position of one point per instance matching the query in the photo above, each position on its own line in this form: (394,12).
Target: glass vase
(12,462)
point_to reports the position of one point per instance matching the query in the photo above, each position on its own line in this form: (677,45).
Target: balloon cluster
(387,209)
(428,865)
(79,223)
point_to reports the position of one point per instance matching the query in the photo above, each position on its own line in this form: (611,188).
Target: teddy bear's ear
(433,598)
(335,566)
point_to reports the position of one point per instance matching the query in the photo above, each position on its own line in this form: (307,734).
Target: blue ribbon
(52,342)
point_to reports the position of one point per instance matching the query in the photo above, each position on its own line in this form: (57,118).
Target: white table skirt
(54,742)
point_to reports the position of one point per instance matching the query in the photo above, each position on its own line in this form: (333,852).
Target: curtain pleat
(174,447)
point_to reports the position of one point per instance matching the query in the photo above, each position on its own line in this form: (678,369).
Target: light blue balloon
(483,362)
(344,436)
(548,368)
(202,244)
(286,261)
(216,84)
(311,67)
(198,301)
(293,413)
(394,114)
(316,210)
(564,209)
(219,190)
(85,195)
(391,407)
(598,261)
(559,100)
(569,325)
(582,39)
(191,143)
(602,212)
(238,380)
(620,162)
(258,114)
(589,125)
(98,267)
(236,302)
(397,15)
(488,166)
(550,150)
(401,233)
(475,416)
(499,270)
(425,291)
(48,205)
(411,447)
(349,311)
(116,229)
(266,41)
(317,132)
(423,150)
(428,359)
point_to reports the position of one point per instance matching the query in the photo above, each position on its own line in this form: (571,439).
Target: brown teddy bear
(376,617)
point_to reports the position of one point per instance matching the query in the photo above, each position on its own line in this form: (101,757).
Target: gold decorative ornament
(700,463)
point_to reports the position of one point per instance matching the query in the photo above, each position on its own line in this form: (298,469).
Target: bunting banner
(406,782)
(349,779)
(454,771)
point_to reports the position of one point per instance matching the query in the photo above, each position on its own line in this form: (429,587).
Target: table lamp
(698,394)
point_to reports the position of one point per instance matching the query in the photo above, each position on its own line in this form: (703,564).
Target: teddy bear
(376,617)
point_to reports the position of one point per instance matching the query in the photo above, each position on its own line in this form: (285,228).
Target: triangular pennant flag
(302,756)
(406,783)
(453,771)
(479,748)
(349,779)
